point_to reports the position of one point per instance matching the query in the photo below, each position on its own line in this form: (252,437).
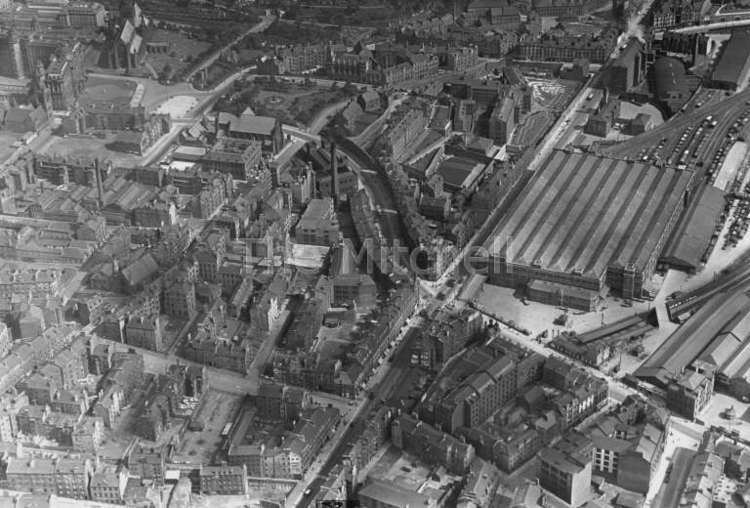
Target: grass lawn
(90,147)
(116,91)
(182,50)
(292,104)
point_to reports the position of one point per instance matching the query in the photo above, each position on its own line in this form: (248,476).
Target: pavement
(44,137)
(381,384)
(154,93)
(681,443)
(265,351)
(373,130)
(671,490)
(712,26)
(618,391)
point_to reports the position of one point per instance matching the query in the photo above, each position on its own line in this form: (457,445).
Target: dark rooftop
(734,59)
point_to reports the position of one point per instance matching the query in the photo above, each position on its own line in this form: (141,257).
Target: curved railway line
(736,276)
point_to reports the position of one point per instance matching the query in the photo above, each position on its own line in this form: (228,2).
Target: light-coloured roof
(251,124)
(582,213)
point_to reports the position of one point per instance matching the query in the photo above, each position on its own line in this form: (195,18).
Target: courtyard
(217,409)
(89,147)
(118,92)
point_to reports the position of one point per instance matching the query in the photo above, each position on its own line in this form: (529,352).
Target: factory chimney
(334,175)
(98,181)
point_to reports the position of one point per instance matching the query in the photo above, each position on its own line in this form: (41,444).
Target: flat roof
(582,213)
(669,75)
(733,61)
(693,232)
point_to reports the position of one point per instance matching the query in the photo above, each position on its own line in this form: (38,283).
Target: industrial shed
(584,220)
(734,63)
(715,335)
(693,237)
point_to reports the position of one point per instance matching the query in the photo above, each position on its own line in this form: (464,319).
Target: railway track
(736,276)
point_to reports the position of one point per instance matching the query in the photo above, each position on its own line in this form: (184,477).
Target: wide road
(618,391)
(391,376)
(712,26)
(257,28)
(671,491)
(731,107)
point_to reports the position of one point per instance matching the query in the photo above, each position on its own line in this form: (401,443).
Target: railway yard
(700,139)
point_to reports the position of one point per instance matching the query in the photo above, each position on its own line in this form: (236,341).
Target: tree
(166,72)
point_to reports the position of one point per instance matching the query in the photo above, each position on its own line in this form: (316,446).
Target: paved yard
(217,409)
(89,147)
(115,91)
(178,106)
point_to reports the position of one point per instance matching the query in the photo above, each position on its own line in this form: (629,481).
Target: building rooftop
(582,213)
(392,495)
(693,232)
(687,342)
(670,78)
(251,124)
(734,59)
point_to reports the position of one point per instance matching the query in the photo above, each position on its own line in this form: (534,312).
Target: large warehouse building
(733,68)
(693,237)
(584,221)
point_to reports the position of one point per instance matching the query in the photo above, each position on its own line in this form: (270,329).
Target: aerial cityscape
(374,253)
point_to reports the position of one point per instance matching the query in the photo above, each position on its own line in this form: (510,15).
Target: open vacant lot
(90,147)
(182,50)
(296,106)
(216,410)
(115,91)
(553,94)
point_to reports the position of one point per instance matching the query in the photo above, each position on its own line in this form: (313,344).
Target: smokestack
(98,180)
(334,175)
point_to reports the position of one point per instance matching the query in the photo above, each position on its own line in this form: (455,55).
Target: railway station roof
(693,232)
(690,339)
(582,213)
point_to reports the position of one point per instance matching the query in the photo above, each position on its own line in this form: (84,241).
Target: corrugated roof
(692,235)
(583,213)
(687,342)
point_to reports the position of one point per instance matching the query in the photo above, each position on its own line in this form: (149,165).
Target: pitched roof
(140,270)
(261,125)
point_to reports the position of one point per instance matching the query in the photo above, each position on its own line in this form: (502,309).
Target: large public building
(585,223)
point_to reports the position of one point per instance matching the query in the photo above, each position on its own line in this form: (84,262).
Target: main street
(386,378)
(257,28)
